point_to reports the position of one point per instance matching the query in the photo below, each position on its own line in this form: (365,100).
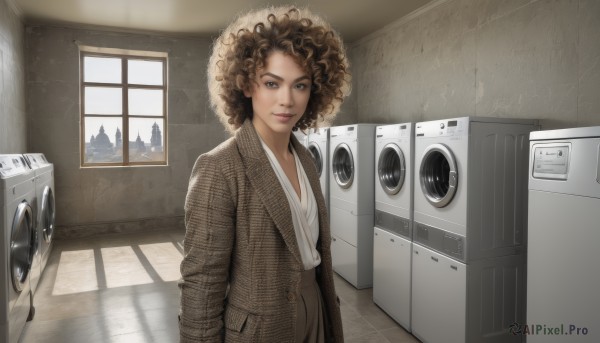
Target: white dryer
(318,146)
(351,201)
(392,241)
(44,207)
(17,191)
(564,202)
(302,137)
(470,210)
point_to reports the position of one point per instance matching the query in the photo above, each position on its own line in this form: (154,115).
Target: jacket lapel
(315,184)
(267,186)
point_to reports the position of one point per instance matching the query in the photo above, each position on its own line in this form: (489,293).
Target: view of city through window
(100,147)
(123,110)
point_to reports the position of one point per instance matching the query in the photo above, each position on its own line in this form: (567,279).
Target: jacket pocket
(240,326)
(235,319)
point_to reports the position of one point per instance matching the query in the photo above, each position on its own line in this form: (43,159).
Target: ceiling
(352,18)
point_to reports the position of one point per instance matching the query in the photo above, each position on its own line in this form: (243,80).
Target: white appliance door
(342,164)
(317,156)
(391,275)
(563,274)
(439,289)
(438,175)
(391,169)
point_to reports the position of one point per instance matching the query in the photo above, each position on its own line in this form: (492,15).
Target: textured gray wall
(514,58)
(13,119)
(536,59)
(98,200)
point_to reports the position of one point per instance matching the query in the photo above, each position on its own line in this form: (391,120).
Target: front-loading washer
(563,235)
(302,137)
(318,146)
(17,191)
(351,201)
(470,210)
(392,241)
(44,206)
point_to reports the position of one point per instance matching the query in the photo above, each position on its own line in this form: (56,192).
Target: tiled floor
(123,288)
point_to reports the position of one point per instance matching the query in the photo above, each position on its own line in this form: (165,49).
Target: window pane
(103,140)
(103,100)
(147,102)
(146,140)
(102,69)
(142,72)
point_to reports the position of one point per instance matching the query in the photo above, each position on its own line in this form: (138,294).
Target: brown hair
(244,46)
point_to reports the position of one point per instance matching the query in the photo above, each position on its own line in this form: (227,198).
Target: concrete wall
(13,119)
(119,199)
(516,58)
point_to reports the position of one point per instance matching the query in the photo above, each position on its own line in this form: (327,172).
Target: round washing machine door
(315,151)
(391,168)
(48,214)
(439,175)
(342,165)
(21,245)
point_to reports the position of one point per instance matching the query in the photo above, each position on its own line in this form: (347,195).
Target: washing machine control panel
(343,131)
(11,165)
(394,131)
(443,128)
(551,161)
(442,241)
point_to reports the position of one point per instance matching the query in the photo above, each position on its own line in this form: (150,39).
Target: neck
(278,142)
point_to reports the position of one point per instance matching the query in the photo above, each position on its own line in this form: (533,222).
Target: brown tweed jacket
(241,269)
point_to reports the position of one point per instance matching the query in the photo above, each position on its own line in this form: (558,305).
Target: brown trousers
(310,323)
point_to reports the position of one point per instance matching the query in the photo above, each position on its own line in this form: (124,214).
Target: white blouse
(304,210)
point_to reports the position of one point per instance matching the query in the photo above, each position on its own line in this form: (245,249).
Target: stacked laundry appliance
(302,137)
(44,207)
(563,277)
(351,202)
(470,222)
(318,146)
(17,245)
(392,241)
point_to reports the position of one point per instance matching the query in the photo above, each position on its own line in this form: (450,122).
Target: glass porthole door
(21,246)
(391,169)
(343,165)
(48,214)
(317,157)
(438,175)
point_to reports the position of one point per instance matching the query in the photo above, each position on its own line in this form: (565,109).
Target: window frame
(125,86)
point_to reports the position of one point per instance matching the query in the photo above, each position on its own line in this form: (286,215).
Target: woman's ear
(248,92)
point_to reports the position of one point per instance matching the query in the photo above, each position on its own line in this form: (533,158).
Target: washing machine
(44,180)
(352,201)
(564,202)
(17,245)
(470,220)
(318,146)
(44,209)
(392,240)
(302,137)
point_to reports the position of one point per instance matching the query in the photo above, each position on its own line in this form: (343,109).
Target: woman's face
(280,94)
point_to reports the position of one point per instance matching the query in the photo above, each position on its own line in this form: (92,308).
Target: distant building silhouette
(139,144)
(156,139)
(118,139)
(101,143)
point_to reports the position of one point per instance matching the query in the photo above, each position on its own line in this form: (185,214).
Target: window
(123,107)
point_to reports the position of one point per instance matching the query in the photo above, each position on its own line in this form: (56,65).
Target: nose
(286,97)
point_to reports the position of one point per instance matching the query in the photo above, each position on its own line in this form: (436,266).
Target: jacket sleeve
(209,237)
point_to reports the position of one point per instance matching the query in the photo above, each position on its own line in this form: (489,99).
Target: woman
(257,263)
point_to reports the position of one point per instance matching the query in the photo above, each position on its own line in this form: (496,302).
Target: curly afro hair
(243,47)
